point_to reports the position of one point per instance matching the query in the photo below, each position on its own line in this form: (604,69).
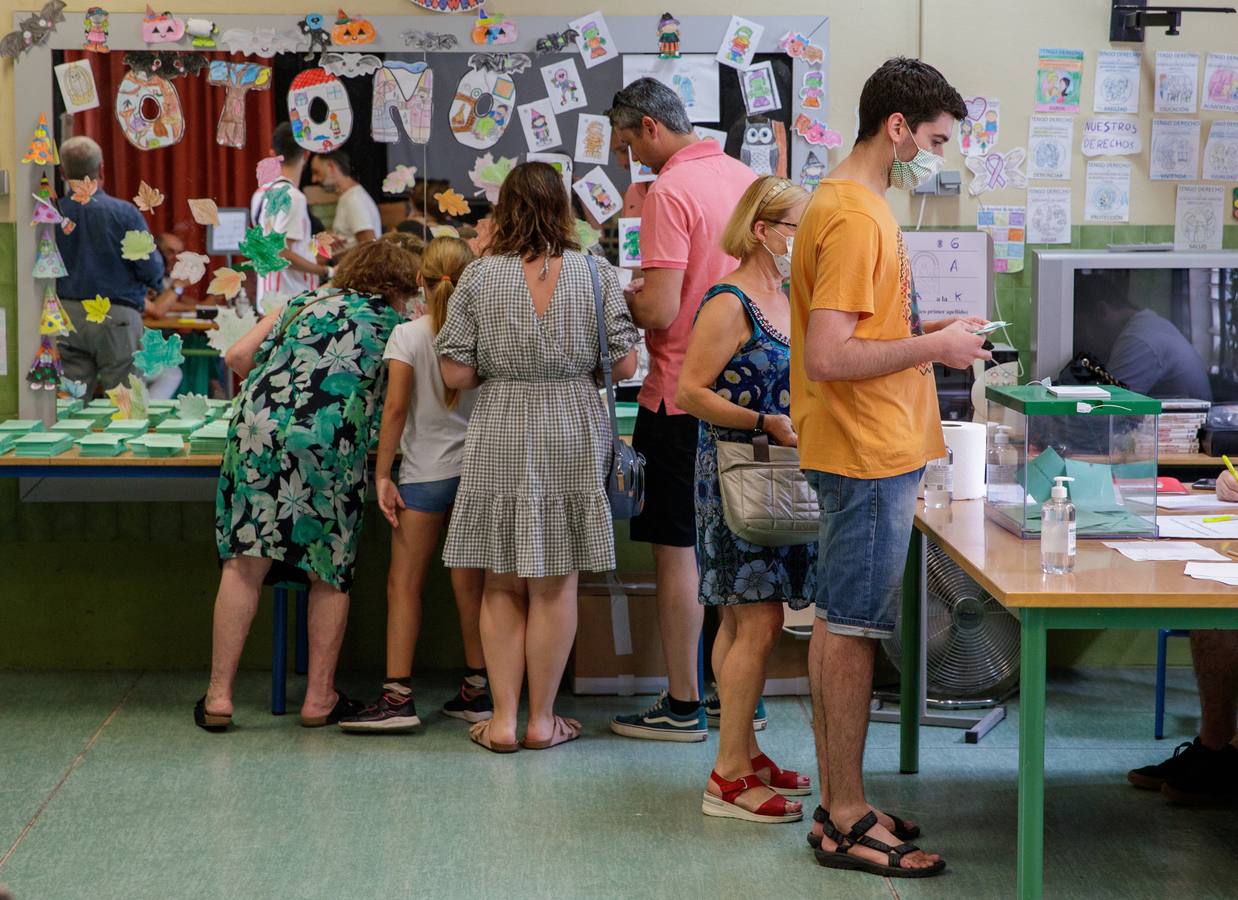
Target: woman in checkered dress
(532,509)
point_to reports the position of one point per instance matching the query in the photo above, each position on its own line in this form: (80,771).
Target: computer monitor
(225,238)
(1164,323)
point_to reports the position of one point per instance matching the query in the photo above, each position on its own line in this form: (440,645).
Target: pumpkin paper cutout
(448,6)
(407,90)
(238,79)
(451,203)
(136,245)
(261,251)
(400,180)
(97,309)
(161,28)
(42,149)
(82,189)
(189,267)
(349,32)
(46,369)
(331,132)
(149,111)
(493,30)
(226,282)
(148,197)
(158,353)
(204,211)
(485,99)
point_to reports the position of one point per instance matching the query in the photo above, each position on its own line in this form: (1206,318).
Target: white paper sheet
(592,139)
(541,128)
(1175,150)
(759,90)
(77,85)
(595,43)
(1193,501)
(1152,551)
(739,44)
(599,194)
(1196,528)
(1108,192)
(1117,81)
(1177,81)
(1049,150)
(1048,215)
(1199,216)
(1221,151)
(1221,82)
(694,77)
(1225,573)
(563,85)
(1111,137)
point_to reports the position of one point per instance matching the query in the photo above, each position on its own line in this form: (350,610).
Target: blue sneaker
(658,723)
(713,713)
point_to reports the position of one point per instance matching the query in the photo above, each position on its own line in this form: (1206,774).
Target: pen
(1218,518)
(1229,465)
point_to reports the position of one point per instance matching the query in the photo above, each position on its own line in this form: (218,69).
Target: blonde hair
(441,264)
(768,199)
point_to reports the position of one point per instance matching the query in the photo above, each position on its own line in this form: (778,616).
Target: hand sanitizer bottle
(939,481)
(1057,531)
(1001,468)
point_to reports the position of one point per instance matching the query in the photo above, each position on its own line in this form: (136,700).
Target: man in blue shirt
(101,353)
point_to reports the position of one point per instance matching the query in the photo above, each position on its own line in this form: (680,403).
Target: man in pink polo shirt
(682,218)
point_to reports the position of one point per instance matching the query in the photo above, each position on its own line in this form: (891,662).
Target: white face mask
(921,168)
(782,261)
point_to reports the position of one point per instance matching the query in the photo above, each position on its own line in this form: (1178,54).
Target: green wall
(131,585)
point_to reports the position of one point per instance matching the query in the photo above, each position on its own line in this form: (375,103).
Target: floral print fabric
(733,570)
(293,479)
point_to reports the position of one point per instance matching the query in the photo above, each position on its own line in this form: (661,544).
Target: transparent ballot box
(1106,444)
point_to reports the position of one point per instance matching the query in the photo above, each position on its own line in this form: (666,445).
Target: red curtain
(193,168)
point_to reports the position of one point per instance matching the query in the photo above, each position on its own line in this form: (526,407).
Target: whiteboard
(953,272)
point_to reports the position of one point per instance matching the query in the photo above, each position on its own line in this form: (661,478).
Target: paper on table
(1226,573)
(1196,527)
(1149,551)
(1194,501)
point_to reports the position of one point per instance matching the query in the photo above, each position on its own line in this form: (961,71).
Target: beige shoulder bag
(766,500)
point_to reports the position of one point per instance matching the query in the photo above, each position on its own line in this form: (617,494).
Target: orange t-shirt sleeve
(847,255)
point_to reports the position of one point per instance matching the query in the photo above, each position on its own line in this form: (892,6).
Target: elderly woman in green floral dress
(293,480)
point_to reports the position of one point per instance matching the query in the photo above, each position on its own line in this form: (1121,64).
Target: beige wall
(993,54)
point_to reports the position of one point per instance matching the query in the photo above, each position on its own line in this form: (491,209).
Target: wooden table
(1106,590)
(71,464)
(173,323)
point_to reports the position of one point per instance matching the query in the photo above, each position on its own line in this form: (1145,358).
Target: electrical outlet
(946,184)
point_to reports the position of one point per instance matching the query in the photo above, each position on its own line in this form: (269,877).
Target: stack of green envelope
(210,438)
(42,443)
(101,444)
(157,445)
(18,427)
(6,442)
(68,406)
(75,427)
(183,427)
(128,427)
(101,403)
(98,418)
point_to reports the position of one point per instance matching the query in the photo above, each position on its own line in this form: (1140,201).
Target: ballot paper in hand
(1154,551)
(1225,573)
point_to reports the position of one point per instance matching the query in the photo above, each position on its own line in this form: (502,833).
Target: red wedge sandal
(785,781)
(772,811)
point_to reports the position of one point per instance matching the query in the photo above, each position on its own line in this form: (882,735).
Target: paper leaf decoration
(995,171)
(137,245)
(190,267)
(324,243)
(586,234)
(204,211)
(191,406)
(268,170)
(97,309)
(263,251)
(278,200)
(400,180)
(451,203)
(130,400)
(148,197)
(229,327)
(83,189)
(226,282)
(158,353)
(488,174)
(444,231)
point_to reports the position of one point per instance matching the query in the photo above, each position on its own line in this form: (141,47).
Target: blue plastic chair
(279,640)
(1162,637)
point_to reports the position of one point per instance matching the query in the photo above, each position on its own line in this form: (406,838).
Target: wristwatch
(760,422)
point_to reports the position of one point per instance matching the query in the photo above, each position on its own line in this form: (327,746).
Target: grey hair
(80,157)
(648,97)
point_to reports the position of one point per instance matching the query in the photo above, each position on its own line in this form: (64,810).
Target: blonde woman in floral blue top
(736,380)
(292,484)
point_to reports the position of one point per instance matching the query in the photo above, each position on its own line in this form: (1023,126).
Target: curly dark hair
(382,268)
(533,215)
(907,86)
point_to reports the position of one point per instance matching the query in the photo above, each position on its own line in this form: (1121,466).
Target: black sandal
(839,858)
(209,721)
(901,829)
(343,708)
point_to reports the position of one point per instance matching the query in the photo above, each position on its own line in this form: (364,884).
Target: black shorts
(668,444)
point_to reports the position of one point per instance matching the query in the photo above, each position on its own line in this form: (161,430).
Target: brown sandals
(565,730)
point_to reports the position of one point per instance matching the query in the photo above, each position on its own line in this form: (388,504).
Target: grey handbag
(766,500)
(625,477)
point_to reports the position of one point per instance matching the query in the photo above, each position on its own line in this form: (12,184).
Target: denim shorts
(865,531)
(430,496)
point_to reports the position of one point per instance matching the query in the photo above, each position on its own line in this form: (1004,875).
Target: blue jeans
(430,496)
(862,549)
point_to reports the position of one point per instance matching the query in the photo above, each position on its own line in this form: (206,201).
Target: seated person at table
(357,219)
(170,298)
(1206,770)
(100,353)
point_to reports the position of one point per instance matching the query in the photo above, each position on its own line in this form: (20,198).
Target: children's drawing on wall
(812,171)
(640,172)
(812,89)
(350,65)
(319,127)
(237,80)
(739,43)
(403,92)
(1005,224)
(563,86)
(77,85)
(1117,81)
(816,132)
(629,243)
(1108,192)
(1221,82)
(1177,76)
(995,171)
(764,146)
(161,28)
(541,130)
(485,98)
(1175,150)
(149,111)
(560,162)
(1049,142)
(978,132)
(592,139)
(95,25)
(1198,217)
(759,90)
(488,175)
(668,37)
(493,29)
(693,77)
(1221,152)
(1048,215)
(599,194)
(595,43)
(1059,80)
(800,46)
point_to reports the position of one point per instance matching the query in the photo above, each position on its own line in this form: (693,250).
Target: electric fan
(972,646)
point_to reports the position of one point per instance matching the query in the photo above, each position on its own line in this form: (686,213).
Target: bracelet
(760,422)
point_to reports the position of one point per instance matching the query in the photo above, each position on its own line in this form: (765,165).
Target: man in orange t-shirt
(864,405)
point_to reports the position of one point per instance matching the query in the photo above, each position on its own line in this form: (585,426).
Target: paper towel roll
(967,441)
